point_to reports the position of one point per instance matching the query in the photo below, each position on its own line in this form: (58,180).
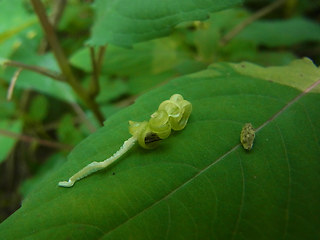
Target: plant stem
(29,139)
(96,63)
(62,60)
(238,28)
(37,69)
(101,53)
(83,118)
(94,85)
(57,11)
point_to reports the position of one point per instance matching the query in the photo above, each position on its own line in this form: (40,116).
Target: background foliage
(199,183)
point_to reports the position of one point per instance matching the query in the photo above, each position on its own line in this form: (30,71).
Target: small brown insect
(247,136)
(151,138)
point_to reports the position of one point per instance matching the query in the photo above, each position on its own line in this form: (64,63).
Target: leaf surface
(199,183)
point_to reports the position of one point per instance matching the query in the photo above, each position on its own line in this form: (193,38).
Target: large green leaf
(125,22)
(200,183)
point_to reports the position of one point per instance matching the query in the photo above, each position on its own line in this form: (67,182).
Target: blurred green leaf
(18,21)
(199,183)
(111,89)
(206,35)
(150,57)
(127,22)
(107,109)
(274,33)
(7,143)
(143,67)
(67,132)
(76,17)
(7,107)
(140,84)
(39,108)
(267,58)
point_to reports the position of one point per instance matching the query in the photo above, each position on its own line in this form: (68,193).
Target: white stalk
(96,166)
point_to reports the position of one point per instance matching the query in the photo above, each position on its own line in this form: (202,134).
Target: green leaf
(125,22)
(38,109)
(200,183)
(6,142)
(18,21)
(67,132)
(144,66)
(7,107)
(207,35)
(274,33)
(111,89)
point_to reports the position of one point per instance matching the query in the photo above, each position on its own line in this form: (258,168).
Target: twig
(96,63)
(94,85)
(63,61)
(26,138)
(57,11)
(58,8)
(37,69)
(238,28)
(13,83)
(83,117)
(101,53)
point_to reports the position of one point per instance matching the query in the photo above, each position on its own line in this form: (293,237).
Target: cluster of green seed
(172,114)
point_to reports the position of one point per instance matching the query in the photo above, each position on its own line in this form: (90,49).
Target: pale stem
(13,83)
(96,166)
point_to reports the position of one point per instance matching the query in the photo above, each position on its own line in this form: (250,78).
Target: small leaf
(39,108)
(67,132)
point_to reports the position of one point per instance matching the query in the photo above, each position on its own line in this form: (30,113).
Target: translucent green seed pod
(179,111)
(172,108)
(145,136)
(176,98)
(159,124)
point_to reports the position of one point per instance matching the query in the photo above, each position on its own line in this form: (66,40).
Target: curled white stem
(96,166)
